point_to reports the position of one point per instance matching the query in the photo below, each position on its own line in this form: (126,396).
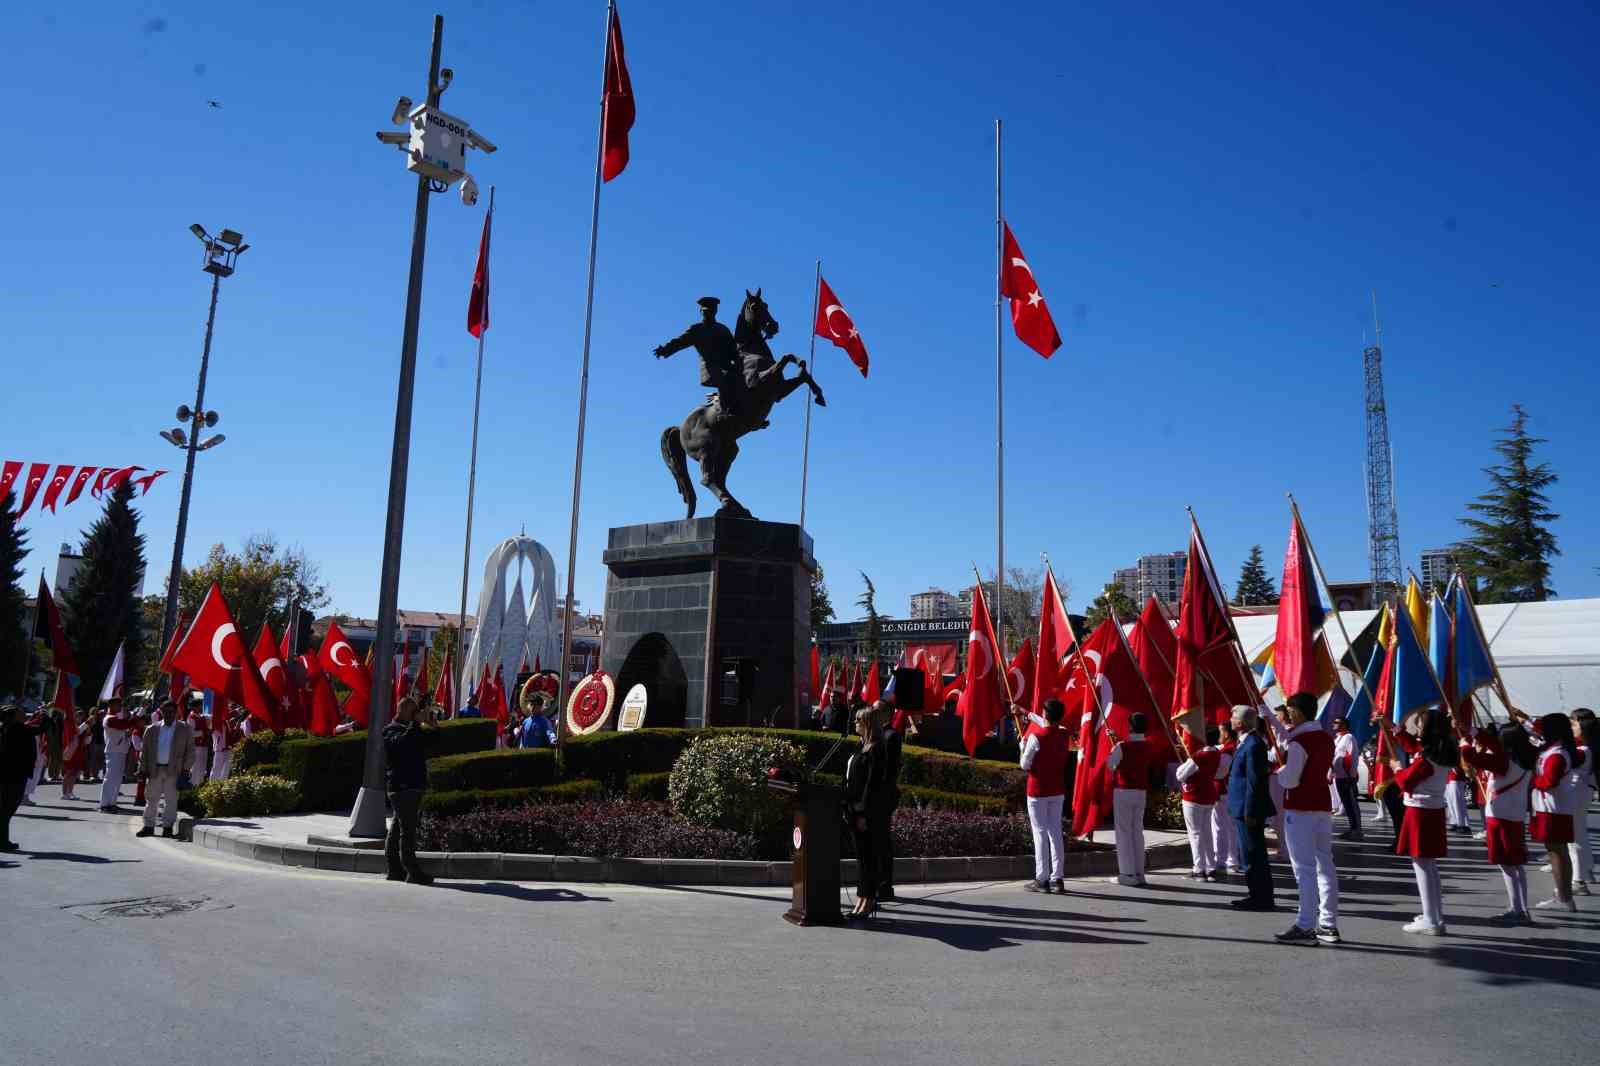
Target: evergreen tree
(868,602)
(1510,546)
(821,605)
(102,607)
(15,619)
(1100,610)
(1255,584)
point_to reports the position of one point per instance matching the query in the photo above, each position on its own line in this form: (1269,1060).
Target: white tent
(1548,653)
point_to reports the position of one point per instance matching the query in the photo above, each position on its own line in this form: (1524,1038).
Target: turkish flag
(816,672)
(981,704)
(1295,659)
(872,687)
(30,488)
(835,324)
(1053,665)
(52,492)
(176,679)
(13,468)
(1029,315)
(117,477)
(423,681)
(1020,673)
(100,480)
(1155,649)
(214,656)
(270,664)
(444,694)
(324,704)
(355,707)
(145,482)
(478,302)
(1206,670)
(338,659)
(402,672)
(616,114)
(78,482)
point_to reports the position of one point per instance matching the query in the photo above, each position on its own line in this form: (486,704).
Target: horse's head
(755,317)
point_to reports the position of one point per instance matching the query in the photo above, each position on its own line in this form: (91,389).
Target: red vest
(1202,787)
(1048,774)
(1134,769)
(1311,794)
(1222,782)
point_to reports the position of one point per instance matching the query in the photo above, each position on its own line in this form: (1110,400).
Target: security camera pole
(436,150)
(222,252)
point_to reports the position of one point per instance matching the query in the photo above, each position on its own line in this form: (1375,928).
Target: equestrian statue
(746,380)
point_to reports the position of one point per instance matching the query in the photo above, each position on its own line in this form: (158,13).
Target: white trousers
(1516,879)
(1310,838)
(162,784)
(1049,855)
(38,773)
(197,768)
(1455,801)
(1276,821)
(1227,835)
(111,786)
(1582,850)
(1197,820)
(1431,890)
(220,764)
(1127,809)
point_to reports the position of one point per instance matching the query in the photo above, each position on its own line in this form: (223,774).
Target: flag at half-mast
(835,324)
(478,302)
(617,114)
(1030,317)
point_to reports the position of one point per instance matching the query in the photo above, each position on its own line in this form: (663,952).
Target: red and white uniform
(1045,750)
(1221,820)
(1583,779)
(1198,778)
(1555,797)
(117,728)
(1505,810)
(1308,822)
(1129,763)
(1422,834)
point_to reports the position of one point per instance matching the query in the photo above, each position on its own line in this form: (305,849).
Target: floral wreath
(589,707)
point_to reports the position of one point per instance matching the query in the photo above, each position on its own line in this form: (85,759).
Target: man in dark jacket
(1250,804)
(19,749)
(406,758)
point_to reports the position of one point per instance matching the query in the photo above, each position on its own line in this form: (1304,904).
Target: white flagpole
(583,394)
(472,485)
(805,450)
(999,413)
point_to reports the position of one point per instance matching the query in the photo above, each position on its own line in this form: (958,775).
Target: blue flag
(1414,686)
(1338,706)
(1439,638)
(1360,713)
(1473,668)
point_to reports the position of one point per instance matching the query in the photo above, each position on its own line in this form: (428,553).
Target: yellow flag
(1417,608)
(1385,627)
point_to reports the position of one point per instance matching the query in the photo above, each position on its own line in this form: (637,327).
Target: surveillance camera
(445,74)
(401,109)
(469,191)
(399,140)
(478,140)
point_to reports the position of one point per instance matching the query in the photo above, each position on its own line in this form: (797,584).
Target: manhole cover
(145,907)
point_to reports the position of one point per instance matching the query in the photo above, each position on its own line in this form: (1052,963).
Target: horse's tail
(673,455)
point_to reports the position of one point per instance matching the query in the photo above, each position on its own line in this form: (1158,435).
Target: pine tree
(821,605)
(1255,584)
(1509,549)
(103,609)
(868,602)
(1100,610)
(15,619)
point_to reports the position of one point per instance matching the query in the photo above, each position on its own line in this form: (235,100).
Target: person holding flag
(1129,764)
(1045,750)
(1422,831)
(1197,776)
(1555,796)
(1507,761)
(1308,823)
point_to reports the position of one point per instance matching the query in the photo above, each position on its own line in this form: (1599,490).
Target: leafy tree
(868,602)
(103,609)
(1509,548)
(1113,596)
(1024,593)
(260,582)
(821,605)
(1255,587)
(444,643)
(15,619)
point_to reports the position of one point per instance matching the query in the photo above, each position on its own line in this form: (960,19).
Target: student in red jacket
(1044,757)
(1555,799)
(1507,760)
(1129,766)
(1308,822)
(1198,777)
(1422,829)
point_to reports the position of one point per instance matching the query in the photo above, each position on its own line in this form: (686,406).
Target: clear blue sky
(1206,197)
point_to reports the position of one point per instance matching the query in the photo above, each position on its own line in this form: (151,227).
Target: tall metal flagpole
(472,486)
(583,398)
(367,818)
(999,412)
(805,450)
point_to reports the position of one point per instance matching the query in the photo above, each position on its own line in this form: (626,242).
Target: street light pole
(367,817)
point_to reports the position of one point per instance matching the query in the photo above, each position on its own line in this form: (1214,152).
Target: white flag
(112,689)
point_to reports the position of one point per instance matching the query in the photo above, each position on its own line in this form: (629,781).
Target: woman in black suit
(863,796)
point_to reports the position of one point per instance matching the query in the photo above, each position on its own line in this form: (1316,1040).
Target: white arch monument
(510,627)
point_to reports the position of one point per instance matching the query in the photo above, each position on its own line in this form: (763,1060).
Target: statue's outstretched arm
(676,344)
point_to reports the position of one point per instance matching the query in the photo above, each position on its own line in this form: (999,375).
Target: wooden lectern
(816,855)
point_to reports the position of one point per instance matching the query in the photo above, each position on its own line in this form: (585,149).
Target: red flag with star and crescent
(338,658)
(1053,658)
(79,482)
(835,324)
(478,301)
(214,656)
(981,704)
(1030,317)
(270,663)
(52,492)
(616,107)
(30,488)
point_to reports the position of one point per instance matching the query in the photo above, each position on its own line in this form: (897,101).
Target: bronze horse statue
(712,439)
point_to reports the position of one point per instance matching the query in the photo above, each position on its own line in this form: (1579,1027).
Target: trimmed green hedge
(511,768)
(935,800)
(648,786)
(328,770)
(260,748)
(465,801)
(926,768)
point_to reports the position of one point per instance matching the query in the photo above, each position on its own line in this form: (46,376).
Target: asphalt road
(152,950)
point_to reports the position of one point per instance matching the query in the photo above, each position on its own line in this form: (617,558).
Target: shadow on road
(522,893)
(72,856)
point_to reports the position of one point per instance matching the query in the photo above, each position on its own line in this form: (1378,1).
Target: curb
(495,866)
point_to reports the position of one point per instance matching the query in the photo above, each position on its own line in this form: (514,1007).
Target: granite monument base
(713,617)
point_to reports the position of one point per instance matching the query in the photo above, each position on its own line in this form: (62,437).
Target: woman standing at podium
(864,794)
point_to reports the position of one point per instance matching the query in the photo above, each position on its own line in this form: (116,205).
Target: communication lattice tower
(1383,523)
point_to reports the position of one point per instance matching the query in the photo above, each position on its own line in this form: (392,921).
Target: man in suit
(166,753)
(19,749)
(1250,804)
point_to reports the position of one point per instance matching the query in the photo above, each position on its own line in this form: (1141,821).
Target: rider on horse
(721,366)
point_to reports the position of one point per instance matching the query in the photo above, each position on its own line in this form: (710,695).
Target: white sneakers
(1419,927)
(1553,904)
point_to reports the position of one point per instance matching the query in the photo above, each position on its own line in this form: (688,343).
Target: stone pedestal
(694,606)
